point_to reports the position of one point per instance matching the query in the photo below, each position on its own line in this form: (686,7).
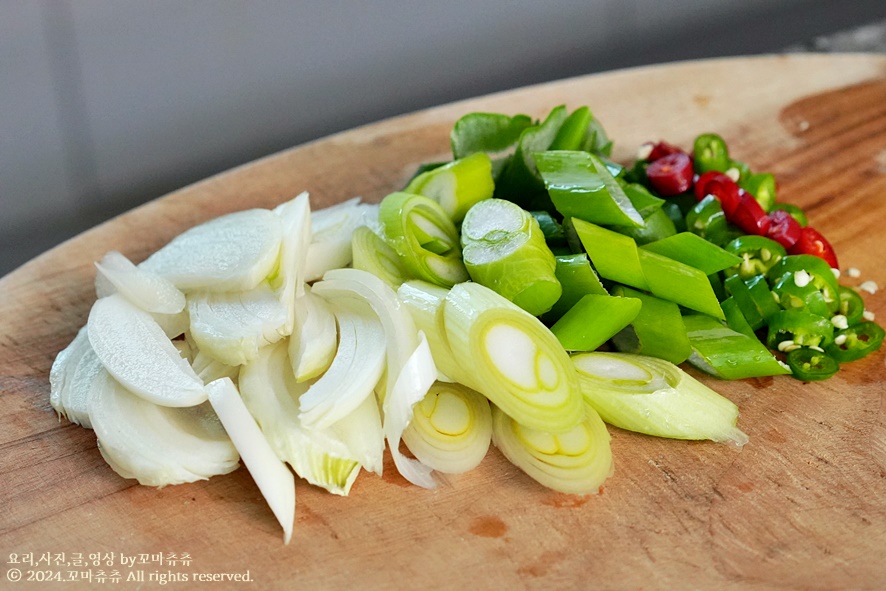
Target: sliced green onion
(424,236)
(726,353)
(457,185)
(593,320)
(295,216)
(511,358)
(695,251)
(371,253)
(655,397)
(657,330)
(71,378)
(577,278)
(504,249)
(576,461)
(451,428)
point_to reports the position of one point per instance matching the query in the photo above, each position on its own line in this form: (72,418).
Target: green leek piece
(577,278)
(617,258)
(492,133)
(716,280)
(458,185)
(371,253)
(656,226)
(573,131)
(735,318)
(577,461)
(597,141)
(424,236)
(509,356)
(520,181)
(551,228)
(593,320)
(656,331)
(655,397)
(504,249)
(581,186)
(451,428)
(694,251)
(727,354)
(643,201)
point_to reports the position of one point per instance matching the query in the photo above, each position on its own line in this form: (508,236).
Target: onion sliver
(149,291)
(273,478)
(313,341)
(290,281)
(136,351)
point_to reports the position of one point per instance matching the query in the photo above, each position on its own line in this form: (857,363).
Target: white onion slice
(313,342)
(149,291)
(234,252)
(273,478)
(296,222)
(134,349)
(332,229)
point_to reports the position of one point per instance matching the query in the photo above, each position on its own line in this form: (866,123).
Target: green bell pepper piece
(694,251)
(710,152)
(727,353)
(656,331)
(593,320)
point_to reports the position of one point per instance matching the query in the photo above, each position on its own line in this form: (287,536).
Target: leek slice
(148,291)
(425,304)
(451,428)
(424,236)
(312,345)
(509,356)
(154,444)
(355,370)
(655,397)
(332,229)
(233,252)
(577,461)
(504,249)
(233,326)
(320,456)
(134,349)
(273,478)
(457,185)
(295,216)
(371,253)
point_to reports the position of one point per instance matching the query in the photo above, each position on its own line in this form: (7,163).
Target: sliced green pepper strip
(819,272)
(762,187)
(486,132)
(706,218)
(581,186)
(656,331)
(794,295)
(735,317)
(851,305)
(458,185)
(796,213)
(726,353)
(593,320)
(710,153)
(757,253)
(789,329)
(577,279)
(811,365)
(694,251)
(855,342)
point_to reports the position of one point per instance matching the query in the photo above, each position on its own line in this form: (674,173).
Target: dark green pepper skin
(851,305)
(811,365)
(760,254)
(802,328)
(709,152)
(822,276)
(855,342)
(762,187)
(790,296)
(707,220)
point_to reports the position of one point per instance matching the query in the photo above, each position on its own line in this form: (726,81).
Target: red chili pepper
(749,216)
(812,242)
(783,228)
(671,175)
(720,186)
(662,149)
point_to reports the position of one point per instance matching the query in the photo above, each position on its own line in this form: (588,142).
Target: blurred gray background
(105,105)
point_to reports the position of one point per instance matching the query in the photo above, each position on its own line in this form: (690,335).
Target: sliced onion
(332,229)
(149,291)
(296,219)
(313,342)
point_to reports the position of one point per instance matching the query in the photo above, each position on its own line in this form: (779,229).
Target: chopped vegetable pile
(524,294)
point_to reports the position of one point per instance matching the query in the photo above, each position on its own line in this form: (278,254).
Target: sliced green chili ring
(710,153)
(796,213)
(743,169)
(593,320)
(735,318)
(577,278)
(820,273)
(798,328)
(656,331)
(758,254)
(706,218)
(855,342)
(695,251)
(811,365)
(762,187)
(851,305)
(727,353)
(794,296)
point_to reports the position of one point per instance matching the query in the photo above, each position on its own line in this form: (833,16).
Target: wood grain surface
(802,506)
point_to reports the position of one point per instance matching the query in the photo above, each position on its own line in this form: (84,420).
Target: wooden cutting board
(802,506)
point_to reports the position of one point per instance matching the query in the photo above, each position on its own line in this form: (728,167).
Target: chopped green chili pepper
(577,278)
(741,295)
(727,353)
(695,251)
(742,168)
(851,305)
(797,213)
(811,365)
(789,329)
(813,268)
(855,342)
(762,187)
(707,220)
(710,153)
(593,320)
(795,294)
(758,255)
(656,331)
(581,186)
